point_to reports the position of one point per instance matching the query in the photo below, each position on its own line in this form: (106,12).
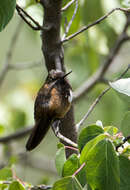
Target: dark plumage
(53,101)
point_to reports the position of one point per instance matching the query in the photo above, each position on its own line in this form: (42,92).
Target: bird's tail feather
(38,133)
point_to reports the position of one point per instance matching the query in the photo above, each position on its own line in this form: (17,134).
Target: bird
(52,103)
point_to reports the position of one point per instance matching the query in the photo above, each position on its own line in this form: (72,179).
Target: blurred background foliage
(83,55)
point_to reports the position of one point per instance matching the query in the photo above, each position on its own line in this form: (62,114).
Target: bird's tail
(38,133)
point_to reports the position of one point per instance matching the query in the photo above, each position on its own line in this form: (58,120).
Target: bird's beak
(66,74)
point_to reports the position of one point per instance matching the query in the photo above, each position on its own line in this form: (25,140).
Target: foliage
(7,8)
(98,164)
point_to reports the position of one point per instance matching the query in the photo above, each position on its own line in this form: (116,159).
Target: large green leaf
(3,186)
(7,8)
(102,165)
(89,146)
(122,86)
(125,125)
(124,173)
(6,174)
(71,165)
(60,160)
(16,186)
(67,183)
(87,134)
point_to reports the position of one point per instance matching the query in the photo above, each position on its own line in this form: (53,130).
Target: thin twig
(124,140)
(6,182)
(79,169)
(23,13)
(72,148)
(3,72)
(96,101)
(95,23)
(23,66)
(17,135)
(91,108)
(68,5)
(41,187)
(71,21)
(55,127)
(9,54)
(65,139)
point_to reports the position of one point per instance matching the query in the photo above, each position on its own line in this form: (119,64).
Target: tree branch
(17,135)
(22,66)
(68,5)
(23,13)
(66,140)
(42,187)
(71,21)
(99,74)
(54,57)
(7,67)
(78,125)
(9,55)
(95,23)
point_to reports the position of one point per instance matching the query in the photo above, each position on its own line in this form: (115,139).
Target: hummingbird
(52,103)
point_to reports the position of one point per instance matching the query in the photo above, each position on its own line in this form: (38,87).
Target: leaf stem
(79,169)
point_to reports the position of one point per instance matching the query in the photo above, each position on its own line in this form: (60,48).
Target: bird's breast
(60,102)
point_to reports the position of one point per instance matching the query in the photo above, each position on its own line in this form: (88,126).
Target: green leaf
(88,187)
(3,186)
(60,160)
(125,124)
(111,130)
(16,186)
(87,134)
(7,8)
(89,146)
(60,145)
(6,174)
(67,183)
(102,165)
(123,87)
(71,165)
(124,173)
